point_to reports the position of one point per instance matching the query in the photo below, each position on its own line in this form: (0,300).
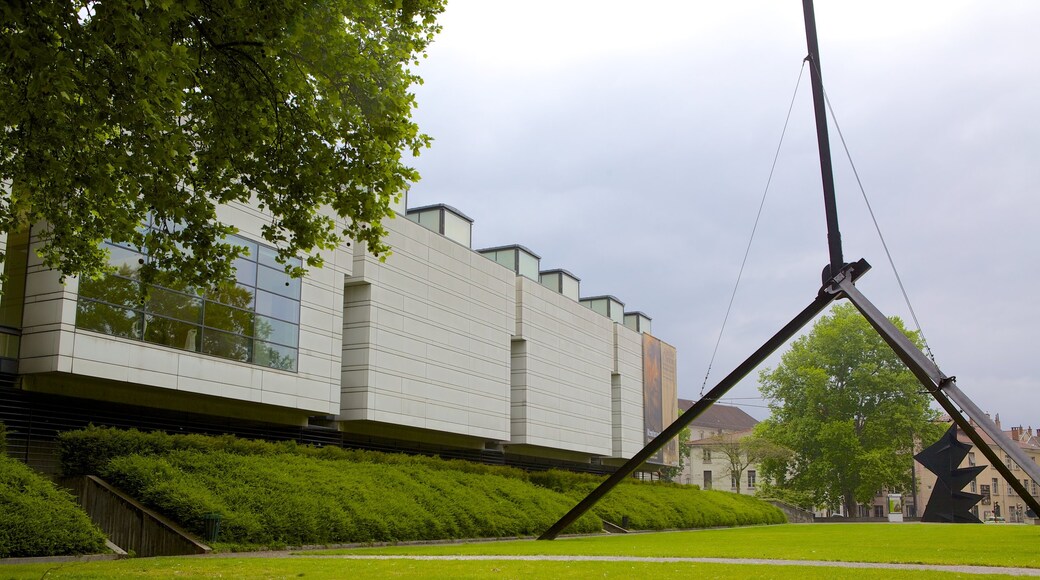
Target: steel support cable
(758,217)
(877,227)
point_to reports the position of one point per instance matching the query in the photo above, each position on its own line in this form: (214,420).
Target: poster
(660,395)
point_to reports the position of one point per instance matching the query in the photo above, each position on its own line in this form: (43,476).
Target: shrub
(38,519)
(87,451)
(286,493)
(289,499)
(3,438)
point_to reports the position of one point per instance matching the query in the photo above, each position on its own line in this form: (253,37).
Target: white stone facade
(426,337)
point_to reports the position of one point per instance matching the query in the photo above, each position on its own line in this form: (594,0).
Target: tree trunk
(849,501)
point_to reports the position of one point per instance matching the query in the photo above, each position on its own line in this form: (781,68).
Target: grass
(979,545)
(998,545)
(358,569)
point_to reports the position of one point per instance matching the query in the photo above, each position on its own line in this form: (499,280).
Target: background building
(715,432)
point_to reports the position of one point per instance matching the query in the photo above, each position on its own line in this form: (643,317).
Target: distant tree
(115,111)
(848,409)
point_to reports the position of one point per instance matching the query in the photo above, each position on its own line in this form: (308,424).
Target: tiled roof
(719,416)
(721,439)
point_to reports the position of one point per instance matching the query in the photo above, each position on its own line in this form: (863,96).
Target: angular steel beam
(951,398)
(823,299)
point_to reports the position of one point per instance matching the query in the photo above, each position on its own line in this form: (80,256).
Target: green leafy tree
(116,112)
(849,410)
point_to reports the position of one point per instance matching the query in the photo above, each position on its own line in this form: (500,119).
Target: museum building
(439,349)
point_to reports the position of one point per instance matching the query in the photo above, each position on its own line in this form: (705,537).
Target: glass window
(220,323)
(229,319)
(174,305)
(570,287)
(226,345)
(112,289)
(599,306)
(458,229)
(126,262)
(751,479)
(430,220)
(268,256)
(245,271)
(277,281)
(279,331)
(505,257)
(113,320)
(250,246)
(277,306)
(233,295)
(707,480)
(169,332)
(528,265)
(275,356)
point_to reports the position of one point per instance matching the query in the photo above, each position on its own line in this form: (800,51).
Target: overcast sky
(631,143)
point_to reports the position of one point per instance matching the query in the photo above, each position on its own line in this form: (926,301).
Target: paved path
(753,561)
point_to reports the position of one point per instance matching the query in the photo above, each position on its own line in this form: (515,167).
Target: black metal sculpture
(949,503)
(838,282)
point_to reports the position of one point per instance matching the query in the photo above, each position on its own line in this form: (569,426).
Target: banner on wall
(660,395)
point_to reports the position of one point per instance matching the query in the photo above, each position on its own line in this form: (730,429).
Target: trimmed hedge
(663,505)
(38,519)
(290,494)
(87,451)
(294,500)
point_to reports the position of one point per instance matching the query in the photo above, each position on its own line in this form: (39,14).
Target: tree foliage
(116,112)
(848,409)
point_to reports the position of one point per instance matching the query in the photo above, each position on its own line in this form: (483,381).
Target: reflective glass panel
(232,295)
(108,319)
(268,257)
(528,265)
(226,345)
(570,287)
(456,228)
(126,262)
(245,271)
(113,289)
(169,332)
(277,281)
(229,319)
(174,305)
(431,220)
(275,356)
(250,246)
(273,330)
(277,306)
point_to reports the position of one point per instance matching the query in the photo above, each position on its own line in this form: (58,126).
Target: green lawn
(355,569)
(981,545)
(994,545)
